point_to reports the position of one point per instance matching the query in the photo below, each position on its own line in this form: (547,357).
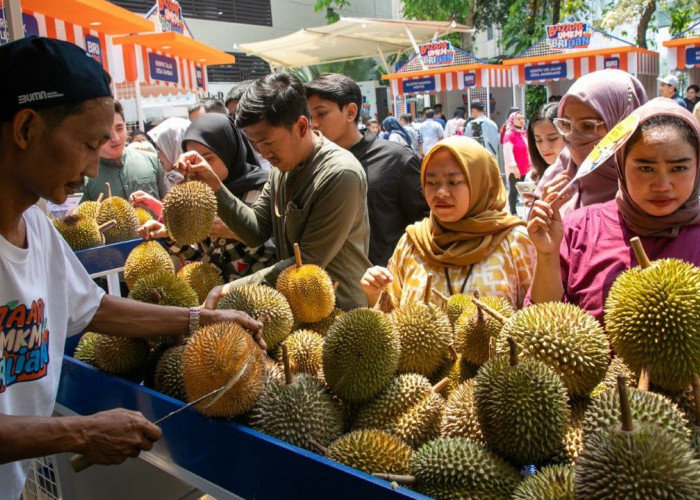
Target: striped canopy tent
(684,52)
(159,62)
(465,72)
(556,68)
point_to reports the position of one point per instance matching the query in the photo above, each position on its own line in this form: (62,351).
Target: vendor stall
(684,53)
(458,76)
(570,50)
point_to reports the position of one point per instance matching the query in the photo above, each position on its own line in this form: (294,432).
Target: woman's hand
(145,200)
(152,229)
(558,183)
(194,167)
(545,228)
(375,280)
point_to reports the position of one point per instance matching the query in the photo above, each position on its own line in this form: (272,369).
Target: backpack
(477,132)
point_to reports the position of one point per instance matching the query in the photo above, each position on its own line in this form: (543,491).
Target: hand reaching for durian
(220,230)
(194,167)
(145,200)
(544,227)
(152,229)
(375,280)
(254,326)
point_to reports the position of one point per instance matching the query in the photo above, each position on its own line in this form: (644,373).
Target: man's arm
(413,203)
(108,437)
(252,225)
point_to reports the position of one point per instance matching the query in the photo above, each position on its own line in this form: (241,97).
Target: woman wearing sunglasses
(594,104)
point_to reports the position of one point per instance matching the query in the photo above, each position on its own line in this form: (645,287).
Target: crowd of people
(380,207)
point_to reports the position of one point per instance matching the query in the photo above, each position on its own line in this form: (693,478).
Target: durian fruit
(79,232)
(167,378)
(320,327)
(408,408)
(163,288)
(458,304)
(647,408)
(522,408)
(309,290)
(119,210)
(425,334)
(85,350)
(120,355)
(202,277)
(456,370)
(554,482)
(297,409)
(652,316)
(571,446)
(143,215)
(372,451)
(147,258)
(459,417)
(265,304)
(360,354)
(617,367)
(189,210)
(218,355)
(636,461)
(457,467)
(566,338)
(305,349)
(476,332)
(88,209)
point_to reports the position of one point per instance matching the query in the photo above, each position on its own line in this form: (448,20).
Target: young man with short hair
(691,96)
(482,128)
(406,121)
(668,87)
(56,111)
(126,169)
(431,131)
(394,197)
(316,195)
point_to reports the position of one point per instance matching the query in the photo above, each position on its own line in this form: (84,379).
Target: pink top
(596,250)
(518,154)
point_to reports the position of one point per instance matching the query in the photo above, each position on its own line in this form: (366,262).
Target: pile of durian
(104,221)
(462,401)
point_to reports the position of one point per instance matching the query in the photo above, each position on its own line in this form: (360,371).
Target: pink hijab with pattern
(613,94)
(687,214)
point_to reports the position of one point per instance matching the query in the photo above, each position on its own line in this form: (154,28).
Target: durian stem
(490,311)
(109,189)
(384,303)
(322,449)
(643,384)
(453,352)
(396,478)
(492,347)
(625,411)
(288,377)
(297,255)
(155,295)
(428,286)
(435,291)
(513,349)
(100,198)
(476,294)
(639,252)
(336,284)
(696,394)
(107,226)
(441,385)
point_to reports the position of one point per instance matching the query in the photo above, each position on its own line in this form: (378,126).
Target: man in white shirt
(56,110)
(431,131)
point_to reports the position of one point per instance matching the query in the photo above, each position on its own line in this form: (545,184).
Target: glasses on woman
(587,127)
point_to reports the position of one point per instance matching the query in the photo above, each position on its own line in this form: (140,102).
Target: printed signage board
(545,72)
(437,53)
(93,47)
(162,68)
(419,85)
(170,16)
(31,27)
(572,35)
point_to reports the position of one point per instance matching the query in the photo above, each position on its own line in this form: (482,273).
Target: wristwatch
(193,325)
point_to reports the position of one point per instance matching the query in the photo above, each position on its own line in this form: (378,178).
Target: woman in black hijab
(214,136)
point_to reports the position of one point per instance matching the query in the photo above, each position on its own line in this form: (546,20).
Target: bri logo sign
(24,343)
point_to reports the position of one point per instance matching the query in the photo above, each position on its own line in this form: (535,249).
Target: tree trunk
(556,11)
(648,11)
(469,16)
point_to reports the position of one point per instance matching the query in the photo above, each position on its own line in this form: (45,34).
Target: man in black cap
(56,110)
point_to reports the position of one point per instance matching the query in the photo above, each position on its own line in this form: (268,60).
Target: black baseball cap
(38,72)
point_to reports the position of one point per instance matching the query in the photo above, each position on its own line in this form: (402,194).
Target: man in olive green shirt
(316,195)
(126,170)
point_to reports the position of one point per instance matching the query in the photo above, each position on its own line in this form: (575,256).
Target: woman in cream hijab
(467,243)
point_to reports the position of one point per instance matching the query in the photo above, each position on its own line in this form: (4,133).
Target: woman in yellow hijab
(468,243)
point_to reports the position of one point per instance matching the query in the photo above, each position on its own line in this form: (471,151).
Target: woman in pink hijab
(594,104)
(657,199)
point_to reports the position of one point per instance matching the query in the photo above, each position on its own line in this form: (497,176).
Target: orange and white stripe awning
(449,78)
(683,53)
(548,68)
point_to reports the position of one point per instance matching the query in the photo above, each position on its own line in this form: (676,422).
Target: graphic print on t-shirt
(24,343)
